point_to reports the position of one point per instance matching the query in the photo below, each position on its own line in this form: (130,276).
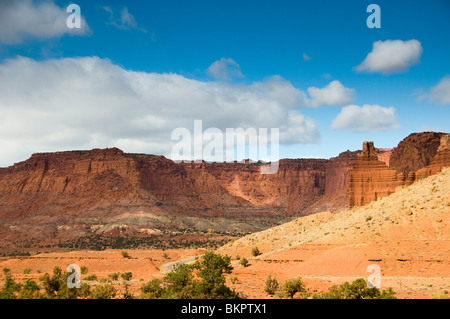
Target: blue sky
(295,62)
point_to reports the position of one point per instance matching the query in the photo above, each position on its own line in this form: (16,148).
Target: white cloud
(24,19)
(305,57)
(439,94)
(225,69)
(332,94)
(126,20)
(88,102)
(391,56)
(365,118)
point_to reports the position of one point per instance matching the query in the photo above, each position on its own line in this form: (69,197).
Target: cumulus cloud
(23,19)
(391,56)
(439,94)
(126,20)
(88,102)
(225,69)
(365,118)
(332,94)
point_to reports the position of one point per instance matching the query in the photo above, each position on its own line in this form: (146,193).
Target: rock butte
(59,196)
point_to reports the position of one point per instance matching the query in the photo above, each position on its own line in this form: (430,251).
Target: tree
(211,270)
(29,290)
(204,279)
(180,278)
(55,286)
(293,286)
(152,290)
(10,287)
(271,285)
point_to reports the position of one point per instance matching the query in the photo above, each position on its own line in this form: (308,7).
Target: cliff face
(69,194)
(415,152)
(78,193)
(417,156)
(371,179)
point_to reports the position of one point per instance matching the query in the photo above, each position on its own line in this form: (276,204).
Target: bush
(26,271)
(125,254)
(84,270)
(103,292)
(204,279)
(244,262)
(271,285)
(152,290)
(255,252)
(358,289)
(30,290)
(114,276)
(293,286)
(91,278)
(10,287)
(55,286)
(126,276)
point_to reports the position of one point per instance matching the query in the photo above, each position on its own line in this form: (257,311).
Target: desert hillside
(407,234)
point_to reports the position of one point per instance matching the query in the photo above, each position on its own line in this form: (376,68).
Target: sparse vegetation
(103,292)
(244,262)
(27,271)
(203,280)
(271,285)
(84,270)
(126,276)
(114,276)
(294,286)
(91,278)
(125,254)
(358,289)
(255,252)
(441,295)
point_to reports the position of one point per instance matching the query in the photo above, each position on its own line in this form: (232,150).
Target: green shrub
(271,285)
(114,276)
(204,279)
(26,271)
(91,278)
(126,276)
(255,252)
(84,270)
(358,289)
(103,292)
(244,262)
(293,286)
(152,290)
(125,254)
(55,286)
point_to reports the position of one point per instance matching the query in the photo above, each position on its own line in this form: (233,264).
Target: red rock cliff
(371,179)
(419,155)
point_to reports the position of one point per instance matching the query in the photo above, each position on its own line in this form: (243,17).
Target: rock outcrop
(415,152)
(371,179)
(417,156)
